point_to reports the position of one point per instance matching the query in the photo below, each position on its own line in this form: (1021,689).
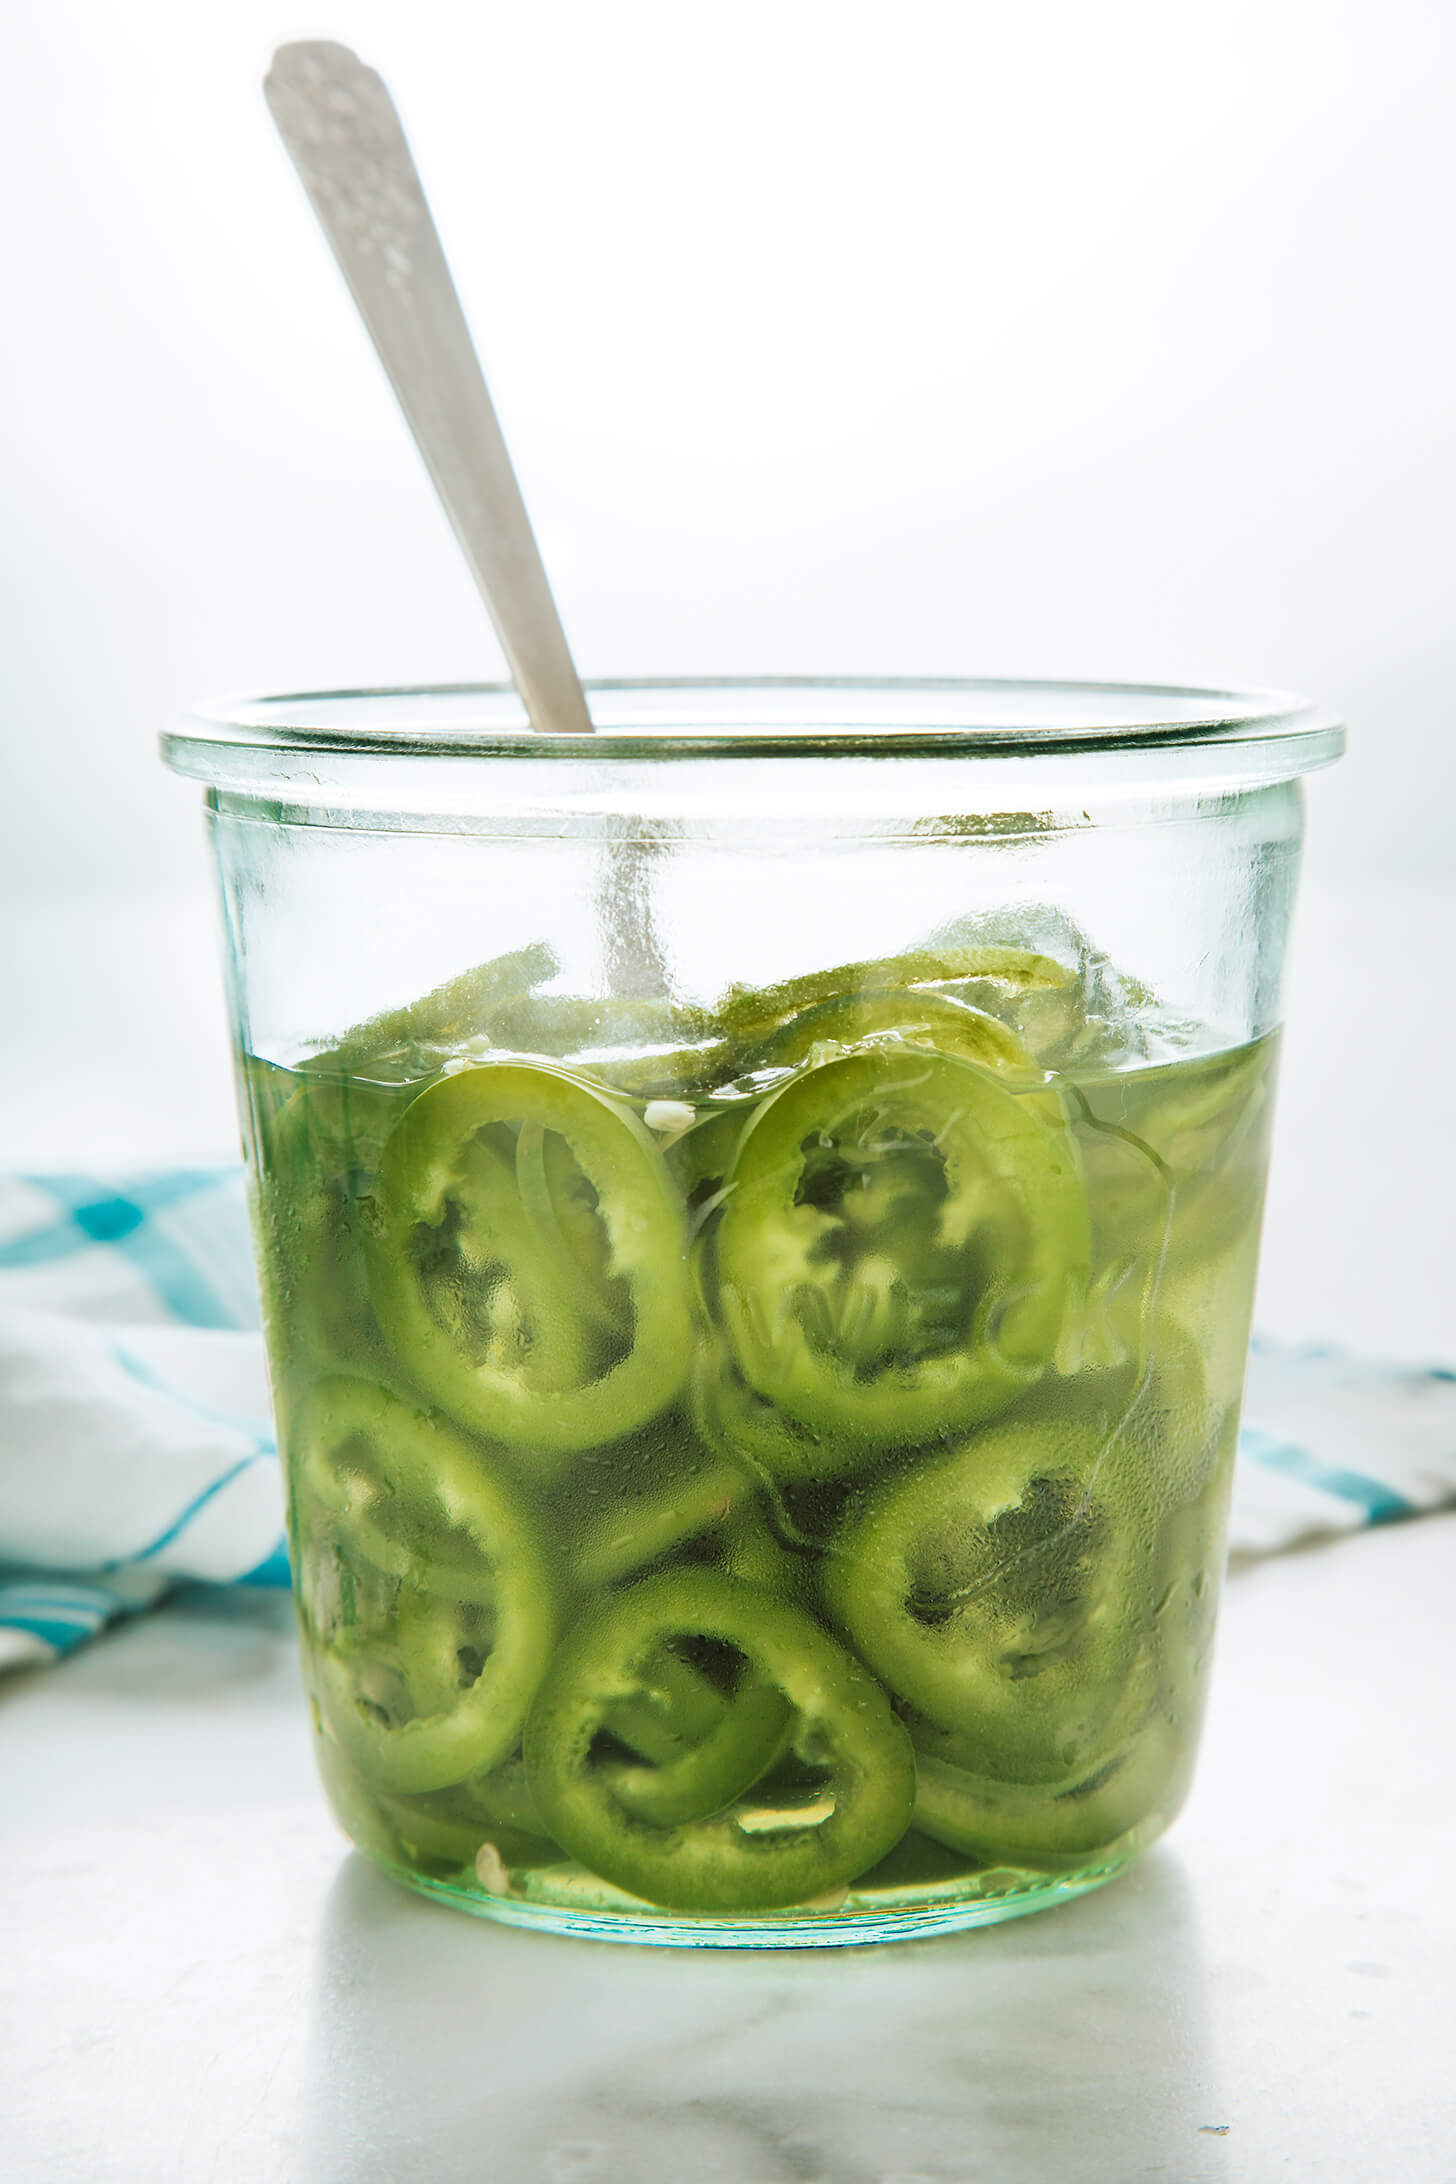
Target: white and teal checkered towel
(135,1441)
(136,1448)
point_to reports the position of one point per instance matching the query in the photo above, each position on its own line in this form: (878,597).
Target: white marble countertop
(201,1985)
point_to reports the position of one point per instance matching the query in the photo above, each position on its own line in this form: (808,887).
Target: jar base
(985,1899)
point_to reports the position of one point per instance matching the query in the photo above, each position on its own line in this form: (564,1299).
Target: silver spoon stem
(344,137)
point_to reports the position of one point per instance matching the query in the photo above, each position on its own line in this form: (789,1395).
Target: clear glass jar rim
(798,716)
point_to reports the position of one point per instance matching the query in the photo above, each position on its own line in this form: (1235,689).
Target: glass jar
(757,1214)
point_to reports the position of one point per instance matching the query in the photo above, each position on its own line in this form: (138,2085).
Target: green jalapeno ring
(1007,1170)
(444,1831)
(913,1017)
(419,1505)
(399,1486)
(746,1429)
(842,1722)
(465,1006)
(1054,1826)
(723,1767)
(751,1014)
(1202,1125)
(998,1591)
(451,1735)
(313,1151)
(640,1529)
(1137,1786)
(424,1170)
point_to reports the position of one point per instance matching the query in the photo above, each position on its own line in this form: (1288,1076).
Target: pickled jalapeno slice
(424,1584)
(478,1267)
(900,1242)
(751,1014)
(641,1528)
(1050,1825)
(995,1591)
(799,1780)
(921,1018)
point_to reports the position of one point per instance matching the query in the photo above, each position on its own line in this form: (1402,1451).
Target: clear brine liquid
(878,1299)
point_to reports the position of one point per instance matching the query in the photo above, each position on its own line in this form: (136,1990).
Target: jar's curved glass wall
(758,1217)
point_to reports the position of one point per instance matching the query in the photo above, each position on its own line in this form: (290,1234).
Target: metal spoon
(344,137)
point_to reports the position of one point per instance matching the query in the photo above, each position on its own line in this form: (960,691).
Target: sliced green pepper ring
(1002,1593)
(918,1018)
(641,1528)
(400,1486)
(472,1303)
(774,1846)
(734,1755)
(463,1007)
(426,1679)
(444,1831)
(750,1014)
(1201,1125)
(1141,1783)
(901,1242)
(746,1429)
(1054,1825)
(314,1151)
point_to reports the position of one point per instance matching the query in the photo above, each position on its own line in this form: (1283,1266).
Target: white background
(943,336)
(1093,337)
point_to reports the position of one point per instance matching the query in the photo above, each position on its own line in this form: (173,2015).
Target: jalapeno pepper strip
(744,1858)
(997,1591)
(748,1430)
(464,1007)
(642,1528)
(468,1300)
(751,1014)
(723,1767)
(314,1152)
(900,1244)
(1203,1133)
(1055,1825)
(917,1018)
(427,1680)
(444,1832)
(399,1487)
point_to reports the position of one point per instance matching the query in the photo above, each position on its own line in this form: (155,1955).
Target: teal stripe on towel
(100,1215)
(1381,1504)
(62,1637)
(180,1523)
(273,1570)
(146,1376)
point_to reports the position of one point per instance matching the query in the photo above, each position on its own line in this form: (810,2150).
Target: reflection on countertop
(203,1983)
(1005,2053)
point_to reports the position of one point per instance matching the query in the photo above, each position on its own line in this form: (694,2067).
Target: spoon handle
(344,137)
